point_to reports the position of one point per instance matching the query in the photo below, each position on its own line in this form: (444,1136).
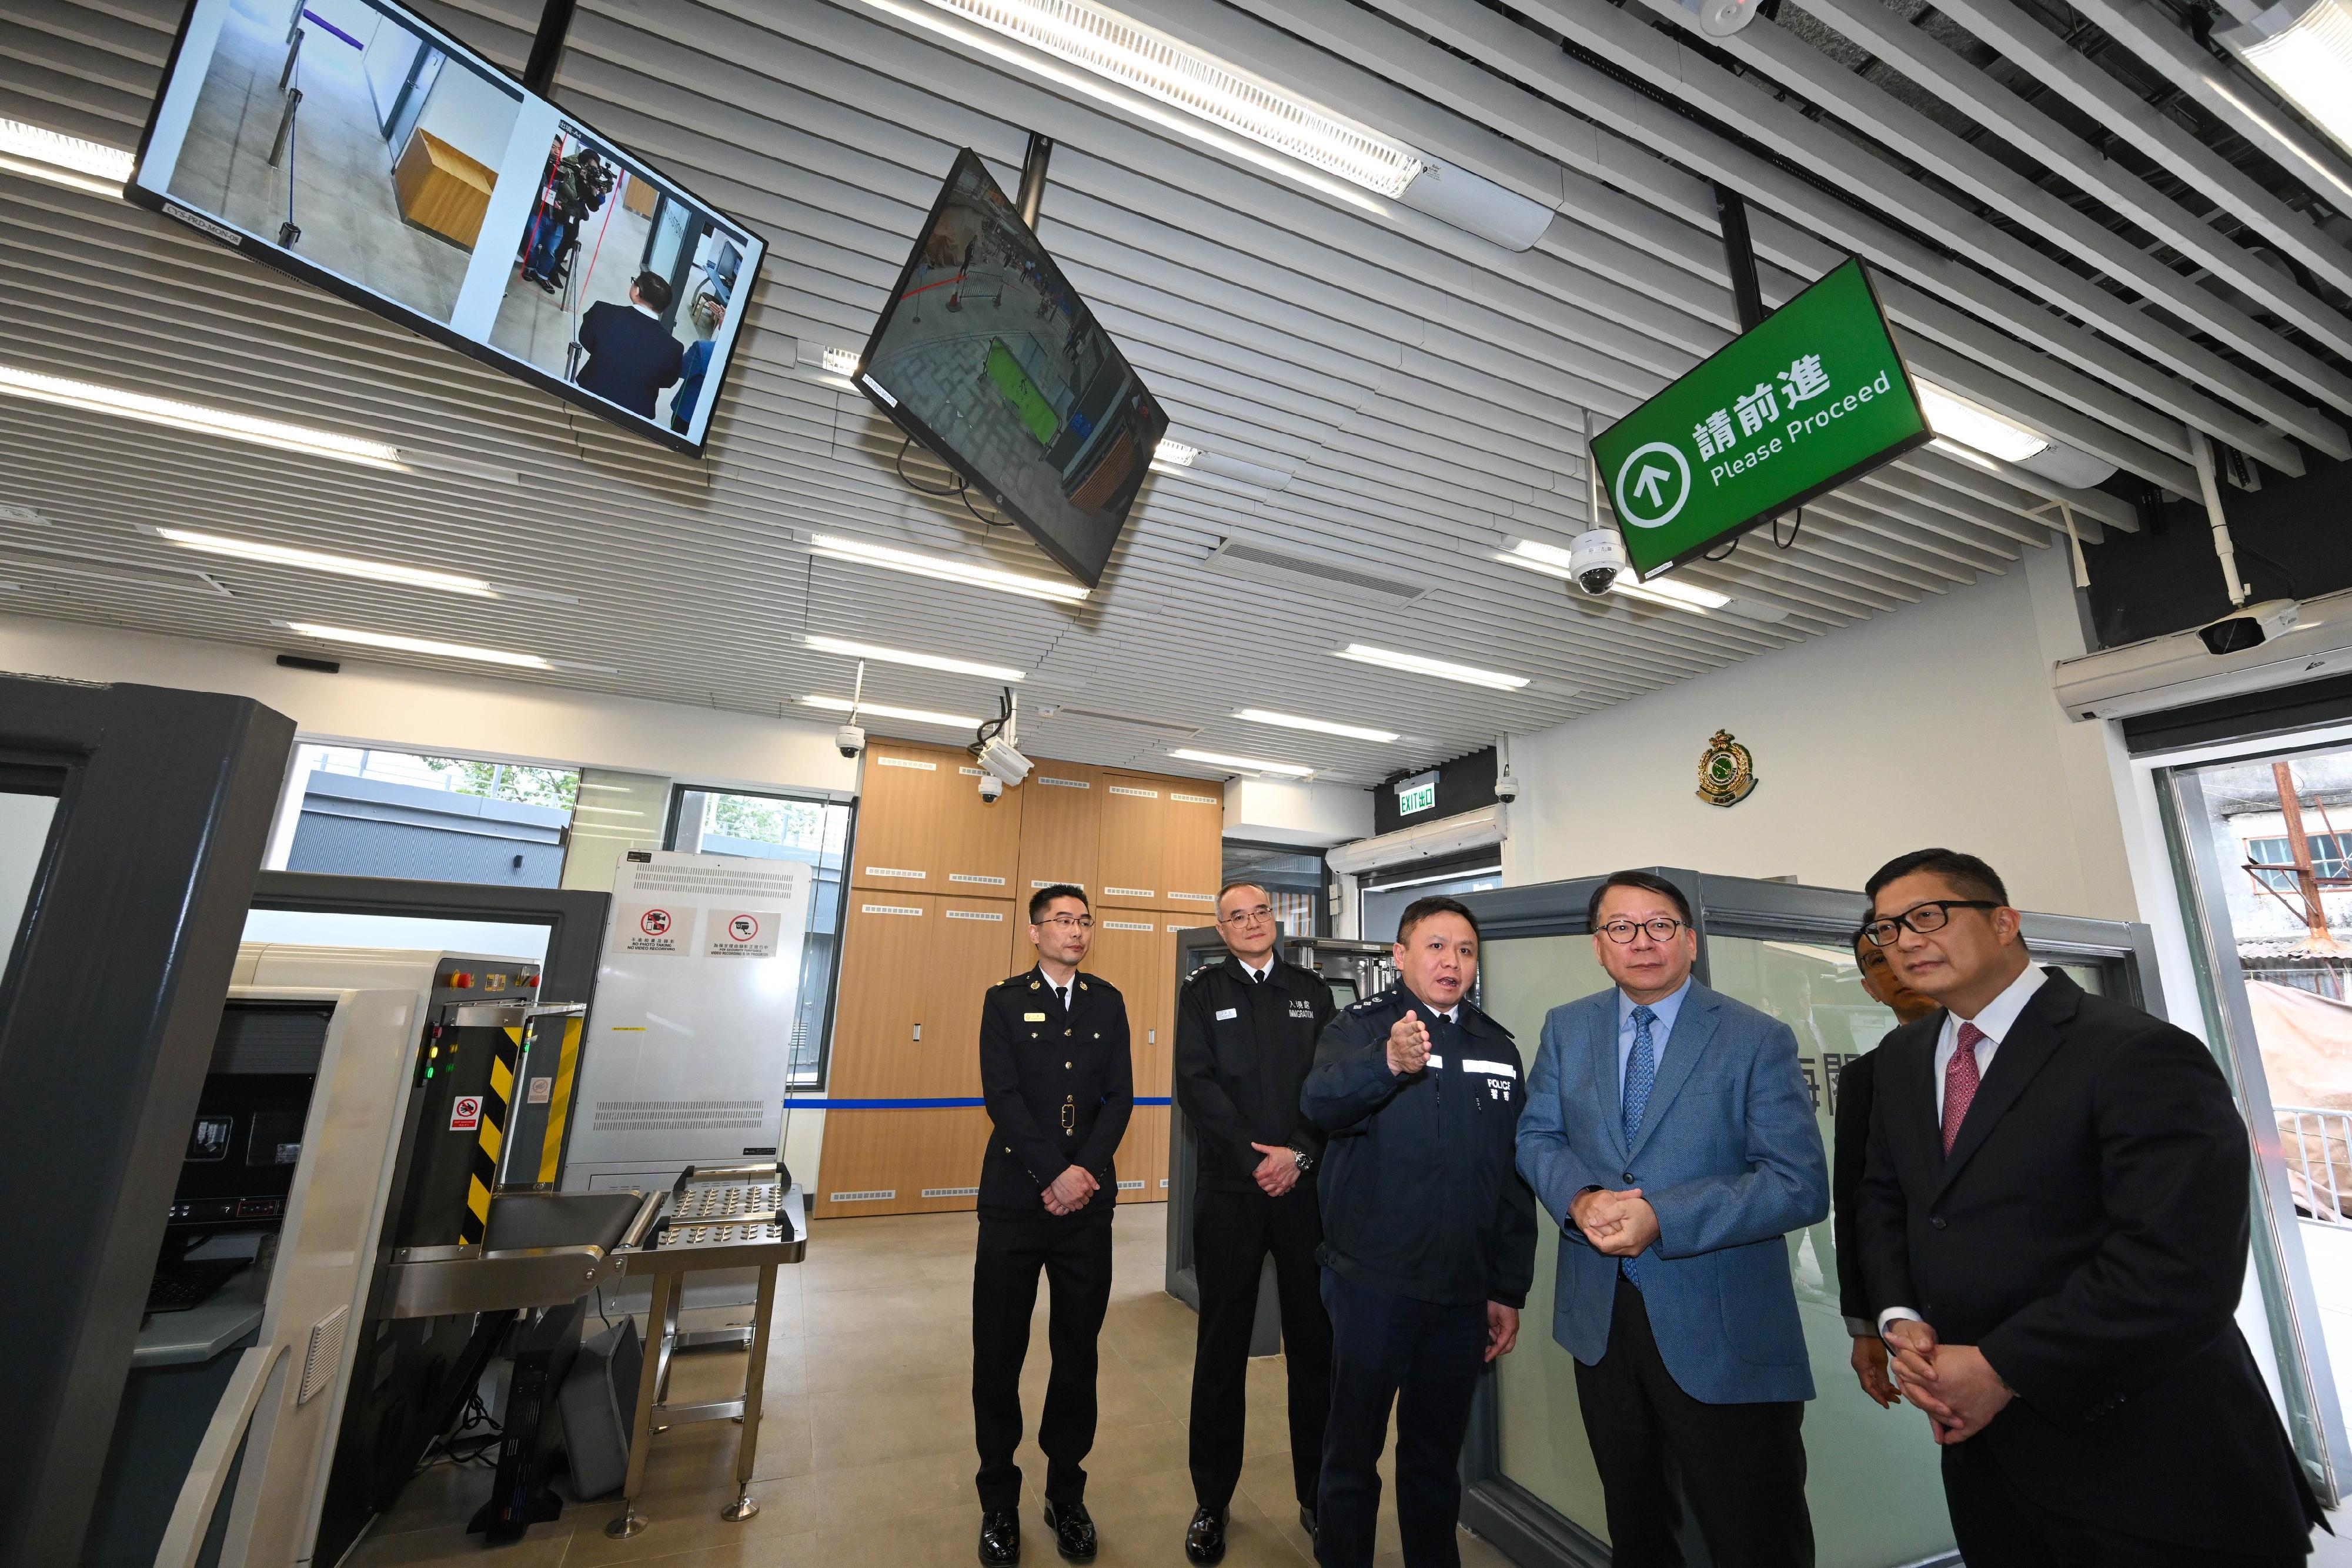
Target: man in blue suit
(630,355)
(1669,1134)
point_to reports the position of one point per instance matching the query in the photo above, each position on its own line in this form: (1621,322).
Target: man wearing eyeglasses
(1056,1078)
(1245,1034)
(1670,1135)
(2054,1223)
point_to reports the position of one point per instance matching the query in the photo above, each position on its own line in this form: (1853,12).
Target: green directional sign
(1815,396)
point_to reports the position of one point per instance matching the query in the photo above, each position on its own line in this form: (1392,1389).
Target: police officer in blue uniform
(1428,1235)
(1059,1086)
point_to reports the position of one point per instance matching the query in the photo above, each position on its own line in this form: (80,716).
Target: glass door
(1873,1481)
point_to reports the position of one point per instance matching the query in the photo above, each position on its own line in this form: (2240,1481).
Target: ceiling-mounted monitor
(987,356)
(357,146)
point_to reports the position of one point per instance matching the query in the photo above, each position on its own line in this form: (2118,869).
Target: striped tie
(1641,1074)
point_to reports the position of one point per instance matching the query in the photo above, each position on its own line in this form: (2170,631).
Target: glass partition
(1873,1481)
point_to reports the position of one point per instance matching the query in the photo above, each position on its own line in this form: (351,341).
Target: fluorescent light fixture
(423,645)
(878,710)
(1319,726)
(837,547)
(66,161)
(319,560)
(40,388)
(1241,764)
(1413,664)
(849,650)
(1972,425)
(841,361)
(2304,49)
(1174,452)
(1142,60)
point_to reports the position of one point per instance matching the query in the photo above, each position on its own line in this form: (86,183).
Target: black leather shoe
(999,1538)
(1204,1538)
(1073,1531)
(1307,1523)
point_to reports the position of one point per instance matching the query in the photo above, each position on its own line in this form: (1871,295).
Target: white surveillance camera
(1003,762)
(991,789)
(2251,627)
(850,739)
(1597,559)
(1507,788)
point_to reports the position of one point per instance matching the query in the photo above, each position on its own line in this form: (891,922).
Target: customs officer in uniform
(1059,1086)
(1245,1034)
(1428,1235)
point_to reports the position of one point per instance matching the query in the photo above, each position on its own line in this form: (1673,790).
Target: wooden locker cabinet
(1061,828)
(900,1161)
(887,939)
(1193,848)
(901,817)
(980,844)
(965,958)
(1133,864)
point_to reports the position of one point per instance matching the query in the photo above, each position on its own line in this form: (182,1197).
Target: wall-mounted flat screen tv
(355,145)
(987,356)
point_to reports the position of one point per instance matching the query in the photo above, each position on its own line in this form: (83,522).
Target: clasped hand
(1953,1383)
(1278,1172)
(1619,1224)
(1070,1191)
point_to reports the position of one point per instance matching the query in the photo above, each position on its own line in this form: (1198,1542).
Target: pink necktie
(1960,1079)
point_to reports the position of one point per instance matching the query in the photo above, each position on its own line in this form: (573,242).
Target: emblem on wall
(1726,771)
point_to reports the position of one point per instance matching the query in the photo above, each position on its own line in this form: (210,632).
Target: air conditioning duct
(1439,839)
(2177,670)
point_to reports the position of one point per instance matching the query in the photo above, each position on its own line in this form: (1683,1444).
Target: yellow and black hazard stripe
(559,1108)
(482,1177)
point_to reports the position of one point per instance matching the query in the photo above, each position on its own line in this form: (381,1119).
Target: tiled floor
(866,1452)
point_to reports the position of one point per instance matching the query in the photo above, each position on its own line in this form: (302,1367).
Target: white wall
(510,721)
(469,114)
(1311,816)
(1934,725)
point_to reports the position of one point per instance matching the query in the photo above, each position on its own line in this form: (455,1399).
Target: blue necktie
(1640,1074)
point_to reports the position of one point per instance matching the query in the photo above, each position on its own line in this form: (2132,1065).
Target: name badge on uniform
(1223,1013)
(1299,1010)
(1033,1018)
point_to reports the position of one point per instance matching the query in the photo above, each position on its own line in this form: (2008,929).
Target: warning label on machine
(744,934)
(654,928)
(465,1113)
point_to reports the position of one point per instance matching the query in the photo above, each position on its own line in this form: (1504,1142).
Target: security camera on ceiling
(1597,559)
(850,739)
(2251,627)
(1000,760)
(991,789)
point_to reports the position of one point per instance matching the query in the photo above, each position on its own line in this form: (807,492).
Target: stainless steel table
(717,1216)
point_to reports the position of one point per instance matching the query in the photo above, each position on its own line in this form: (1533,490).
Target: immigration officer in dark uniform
(1428,1235)
(1059,1087)
(1245,1034)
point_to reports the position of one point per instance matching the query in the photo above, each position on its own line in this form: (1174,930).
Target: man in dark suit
(630,355)
(1057,1078)
(1856,1089)
(2055,1229)
(1245,1034)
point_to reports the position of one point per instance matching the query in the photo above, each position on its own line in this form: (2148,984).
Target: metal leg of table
(755,1378)
(666,1336)
(664,1288)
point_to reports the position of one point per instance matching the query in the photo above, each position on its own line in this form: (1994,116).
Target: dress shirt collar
(641,311)
(1999,1015)
(1667,1008)
(1412,1000)
(1258,972)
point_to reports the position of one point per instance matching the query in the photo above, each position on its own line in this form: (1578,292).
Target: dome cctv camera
(1507,788)
(1597,559)
(850,739)
(991,789)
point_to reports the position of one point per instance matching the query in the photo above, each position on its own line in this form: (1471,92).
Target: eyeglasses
(1932,915)
(1247,916)
(1662,929)
(1070,921)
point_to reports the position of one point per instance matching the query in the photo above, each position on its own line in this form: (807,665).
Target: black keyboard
(185,1285)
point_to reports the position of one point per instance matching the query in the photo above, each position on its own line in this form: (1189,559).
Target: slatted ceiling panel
(1425,391)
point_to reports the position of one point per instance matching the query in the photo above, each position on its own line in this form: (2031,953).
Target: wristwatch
(1305,1158)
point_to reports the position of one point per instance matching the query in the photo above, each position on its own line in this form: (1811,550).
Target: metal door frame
(111,1000)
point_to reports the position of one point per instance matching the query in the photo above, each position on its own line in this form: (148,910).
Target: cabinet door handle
(918,1031)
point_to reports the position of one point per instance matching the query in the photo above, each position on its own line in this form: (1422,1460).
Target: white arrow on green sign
(1815,396)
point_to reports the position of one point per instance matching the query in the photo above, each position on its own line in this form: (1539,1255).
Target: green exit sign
(1419,798)
(1815,396)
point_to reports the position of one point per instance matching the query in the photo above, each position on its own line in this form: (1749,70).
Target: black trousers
(1740,1467)
(1996,1526)
(1232,1234)
(1425,1359)
(1076,1257)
